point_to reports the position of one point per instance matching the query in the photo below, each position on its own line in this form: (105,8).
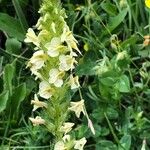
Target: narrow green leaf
(116,21)
(109,8)
(8,76)
(18,96)
(11,26)
(20,15)
(130,41)
(3,100)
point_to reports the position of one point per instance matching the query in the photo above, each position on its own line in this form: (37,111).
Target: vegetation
(107,77)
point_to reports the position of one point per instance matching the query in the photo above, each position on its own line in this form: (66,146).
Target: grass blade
(20,15)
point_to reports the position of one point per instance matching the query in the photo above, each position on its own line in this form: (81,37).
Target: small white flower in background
(79,144)
(37,61)
(68,37)
(37,120)
(74,82)
(37,104)
(77,107)
(59,146)
(67,127)
(54,46)
(55,77)
(90,125)
(31,37)
(66,62)
(45,90)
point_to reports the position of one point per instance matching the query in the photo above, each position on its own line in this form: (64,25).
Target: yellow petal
(147,3)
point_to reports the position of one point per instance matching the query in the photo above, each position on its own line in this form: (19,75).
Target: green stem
(136,94)
(112,131)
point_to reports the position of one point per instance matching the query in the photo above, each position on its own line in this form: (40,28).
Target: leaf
(11,26)
(105,145)
(13,46)
(87,65)
(9,71)
(3,100)
(109,8)
(123,85)
(144,53)
(116,21)
(108,81)
(18,96)
(30,85)
(112,113)
(125,142)
(130,41)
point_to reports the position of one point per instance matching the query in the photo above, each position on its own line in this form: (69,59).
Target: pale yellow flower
(79,144)
(77,107)
(59,146)
(37,60)
(74,82)
(45,90)
(37,120)
(37,104)
(31,37)
(68,37)
(55,77)
(54,46)
(67,127)
(66,62)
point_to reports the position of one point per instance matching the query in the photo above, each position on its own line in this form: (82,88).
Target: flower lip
(31,37)
(37,61)
(54,47)
(37,104)
(67,127)
(45,90)
(77,107)
(55,77)
(74,82)
(66,62)
(79,144)
(37,120)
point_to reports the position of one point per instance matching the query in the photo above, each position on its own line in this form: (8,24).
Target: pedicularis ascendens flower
(52,63)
